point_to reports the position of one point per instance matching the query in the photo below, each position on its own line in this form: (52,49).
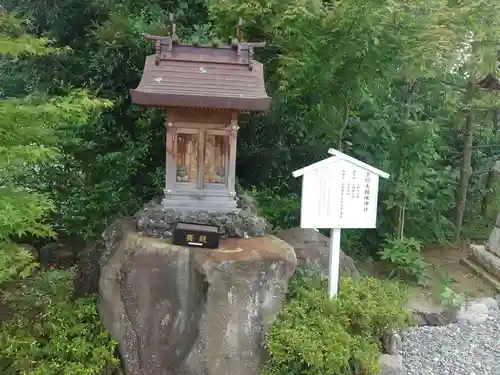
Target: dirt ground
(444,267)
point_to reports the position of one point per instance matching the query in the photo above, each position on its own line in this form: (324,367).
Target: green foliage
(45,332)
(448,297)
(384,81)
(13,40)
(15,263)
(316,335)
(108,166)
(51,334)
(30,130)
(355,243)
(281,212)
(405,259)
(390,92)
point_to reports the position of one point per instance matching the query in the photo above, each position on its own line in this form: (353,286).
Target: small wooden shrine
(203,88)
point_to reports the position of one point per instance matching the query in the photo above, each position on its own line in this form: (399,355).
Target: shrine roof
(202,77)
(337,157)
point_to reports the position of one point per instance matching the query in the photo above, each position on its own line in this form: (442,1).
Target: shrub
(48,333)
(281,212)
(404,259)
(316,335)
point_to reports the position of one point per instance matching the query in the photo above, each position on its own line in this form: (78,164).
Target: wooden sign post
(338,192)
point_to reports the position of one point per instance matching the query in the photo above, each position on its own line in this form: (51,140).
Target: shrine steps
(484,263)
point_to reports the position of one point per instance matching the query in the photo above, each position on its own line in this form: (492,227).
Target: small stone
(161,226)
(474,313)
(435,320)
(490,303)
(143,222)
(391,365)
(393,343)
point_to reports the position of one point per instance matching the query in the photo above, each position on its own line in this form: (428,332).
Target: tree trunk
(466,170)
(489,180)
(486,195)
(344,126)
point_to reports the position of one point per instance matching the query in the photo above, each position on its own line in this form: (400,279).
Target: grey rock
(490,303)
(435,319)
(190,311)
(474,313)
(59,253)
(424,319)
(245,201)
(493,243)
(391,365)
(392,343)
(88,271)
(161,226)
(312,251)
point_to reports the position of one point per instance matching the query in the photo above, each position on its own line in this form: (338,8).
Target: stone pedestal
(154,220)
(485,259)
(188,311)
(493,244)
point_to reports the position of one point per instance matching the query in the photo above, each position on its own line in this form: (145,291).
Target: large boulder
(88,272)
(311,248)
(189,311)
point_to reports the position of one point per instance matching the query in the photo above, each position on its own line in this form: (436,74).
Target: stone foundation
(154,220)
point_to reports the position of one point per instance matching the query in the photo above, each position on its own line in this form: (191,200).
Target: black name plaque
(196,235)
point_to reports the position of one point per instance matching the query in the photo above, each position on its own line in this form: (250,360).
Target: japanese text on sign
(342,191)
(366,203)
(191,238)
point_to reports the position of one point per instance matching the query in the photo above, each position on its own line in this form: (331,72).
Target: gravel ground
(456,349)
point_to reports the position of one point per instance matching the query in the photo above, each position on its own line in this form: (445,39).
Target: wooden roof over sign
(202,76)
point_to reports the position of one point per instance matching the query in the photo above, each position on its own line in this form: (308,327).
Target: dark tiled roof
(202,77)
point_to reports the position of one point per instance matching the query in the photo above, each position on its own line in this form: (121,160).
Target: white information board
(338,192)
(339,195)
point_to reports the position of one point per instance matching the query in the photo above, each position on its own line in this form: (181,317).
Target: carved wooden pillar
(170,164)
(233,140)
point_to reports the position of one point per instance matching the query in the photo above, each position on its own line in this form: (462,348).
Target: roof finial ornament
(172,27)
(239,35)
(164,41)
(239,30)
(245,46)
